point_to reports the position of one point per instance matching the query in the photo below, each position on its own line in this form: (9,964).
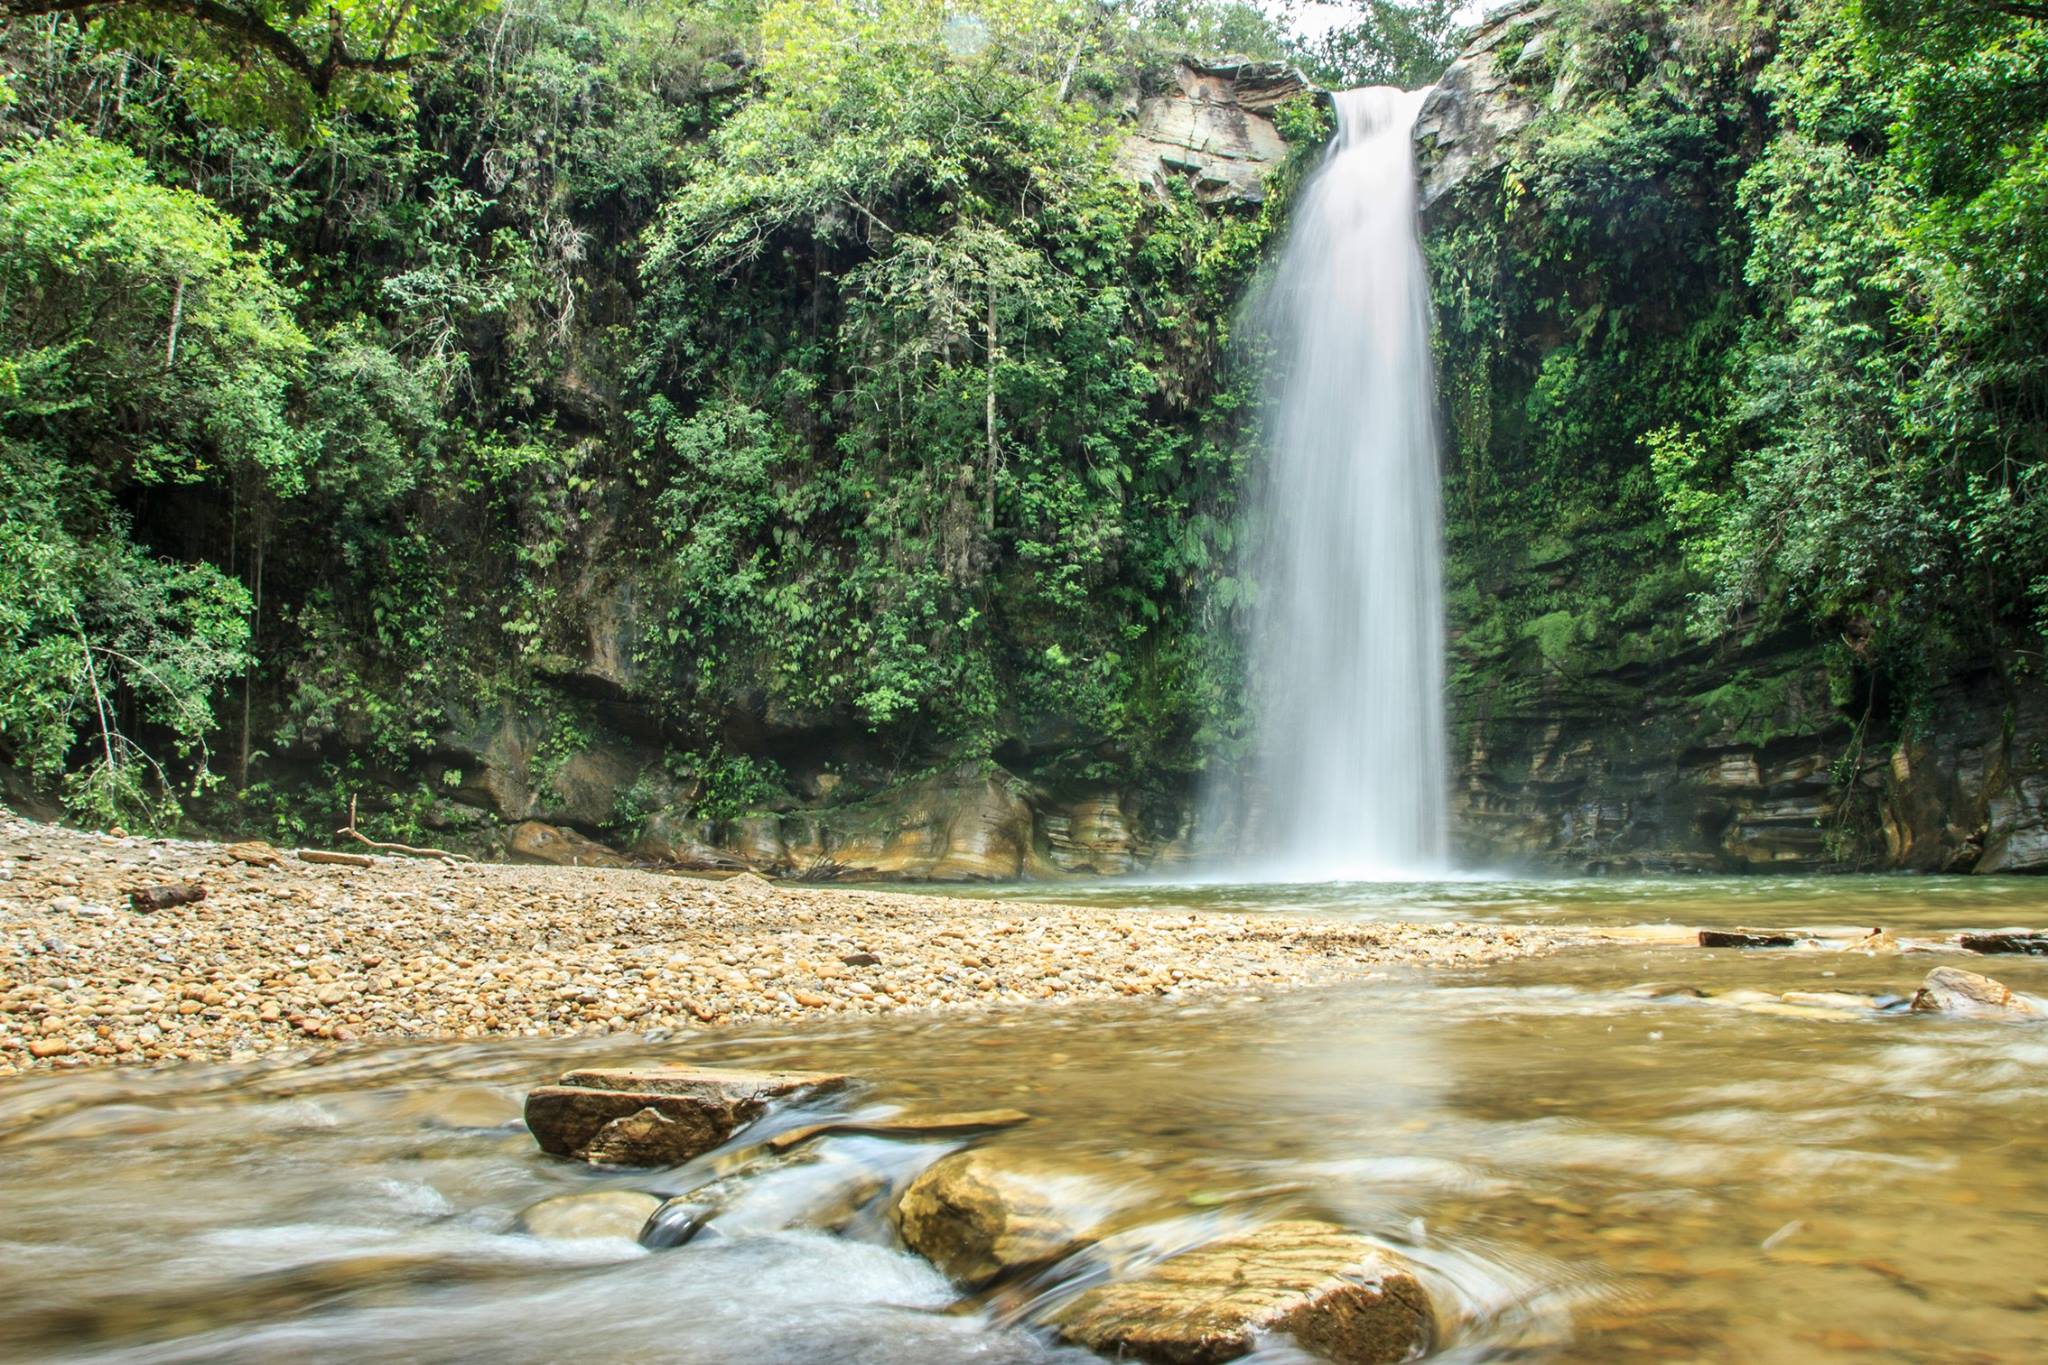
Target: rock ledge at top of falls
(1468,118)
(1340,1296)
(1214,127)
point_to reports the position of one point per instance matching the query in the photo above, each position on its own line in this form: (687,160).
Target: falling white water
(1349,770)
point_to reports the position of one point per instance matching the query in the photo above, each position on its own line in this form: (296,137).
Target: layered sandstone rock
(1338,1295)
(656,1118)
(1213,128)
(534,842)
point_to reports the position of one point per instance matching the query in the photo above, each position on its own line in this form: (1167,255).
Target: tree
(143,348)
(1408,43)
(353,53)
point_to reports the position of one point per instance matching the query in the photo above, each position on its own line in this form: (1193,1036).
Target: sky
(1314,19)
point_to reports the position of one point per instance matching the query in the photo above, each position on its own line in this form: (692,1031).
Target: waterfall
(1349,772)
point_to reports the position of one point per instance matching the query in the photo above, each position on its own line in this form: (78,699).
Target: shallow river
(1583,1171)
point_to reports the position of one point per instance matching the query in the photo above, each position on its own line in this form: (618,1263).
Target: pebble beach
(281,952)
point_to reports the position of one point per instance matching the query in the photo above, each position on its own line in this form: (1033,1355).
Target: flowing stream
(1349,773)
(1583,1168)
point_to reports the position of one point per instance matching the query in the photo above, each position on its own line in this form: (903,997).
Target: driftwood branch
(320,855)
(349,831)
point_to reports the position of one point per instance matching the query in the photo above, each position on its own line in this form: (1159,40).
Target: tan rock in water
(459,1107)
(1950,990)
(1338,1295)
(656,1118)
(601,1213)
(985,1213)
(1830,1000)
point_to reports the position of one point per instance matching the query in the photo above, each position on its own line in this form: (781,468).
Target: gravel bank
(282,953)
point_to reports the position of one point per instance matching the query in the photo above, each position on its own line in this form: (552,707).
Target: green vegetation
(805,374)
(392,392)
(1753,321)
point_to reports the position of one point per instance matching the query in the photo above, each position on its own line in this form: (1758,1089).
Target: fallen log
(318,855)
(165,896)
(2024,943)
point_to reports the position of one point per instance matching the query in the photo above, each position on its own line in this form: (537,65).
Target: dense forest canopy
(333,338)
(1801,332)
(808,369)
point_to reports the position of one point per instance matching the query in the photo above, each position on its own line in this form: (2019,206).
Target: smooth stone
(603,1213)
(1783,1010)
(983,1214)
(1950,990)
(1338,1295)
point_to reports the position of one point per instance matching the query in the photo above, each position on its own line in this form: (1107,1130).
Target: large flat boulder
(962,825)
(656,1117)
(1338,1295)
(534,842)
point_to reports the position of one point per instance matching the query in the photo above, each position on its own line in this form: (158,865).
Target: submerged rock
(1950,990)
(1832,1000)
(1663,990)
(826,1195)
(656,1118)
(602,1213)
(675,1224)
(1750,938)
(2018,942)
(1337,1294)
(984,1214)
(460,1107)
(904,1125)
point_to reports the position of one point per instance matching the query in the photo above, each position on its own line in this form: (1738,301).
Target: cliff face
(1587,249)
(583,751)
(1213,125)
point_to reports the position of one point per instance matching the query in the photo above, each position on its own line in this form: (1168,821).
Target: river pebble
(283,953)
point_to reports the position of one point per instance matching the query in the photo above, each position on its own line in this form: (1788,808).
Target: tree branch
(249,28)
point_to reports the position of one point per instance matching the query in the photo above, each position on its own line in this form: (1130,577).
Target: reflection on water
(1901,904)
(1585,1172)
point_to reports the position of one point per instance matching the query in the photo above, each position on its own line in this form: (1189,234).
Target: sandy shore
(282,951)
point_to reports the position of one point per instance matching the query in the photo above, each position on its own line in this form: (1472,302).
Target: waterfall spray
(1349,774)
